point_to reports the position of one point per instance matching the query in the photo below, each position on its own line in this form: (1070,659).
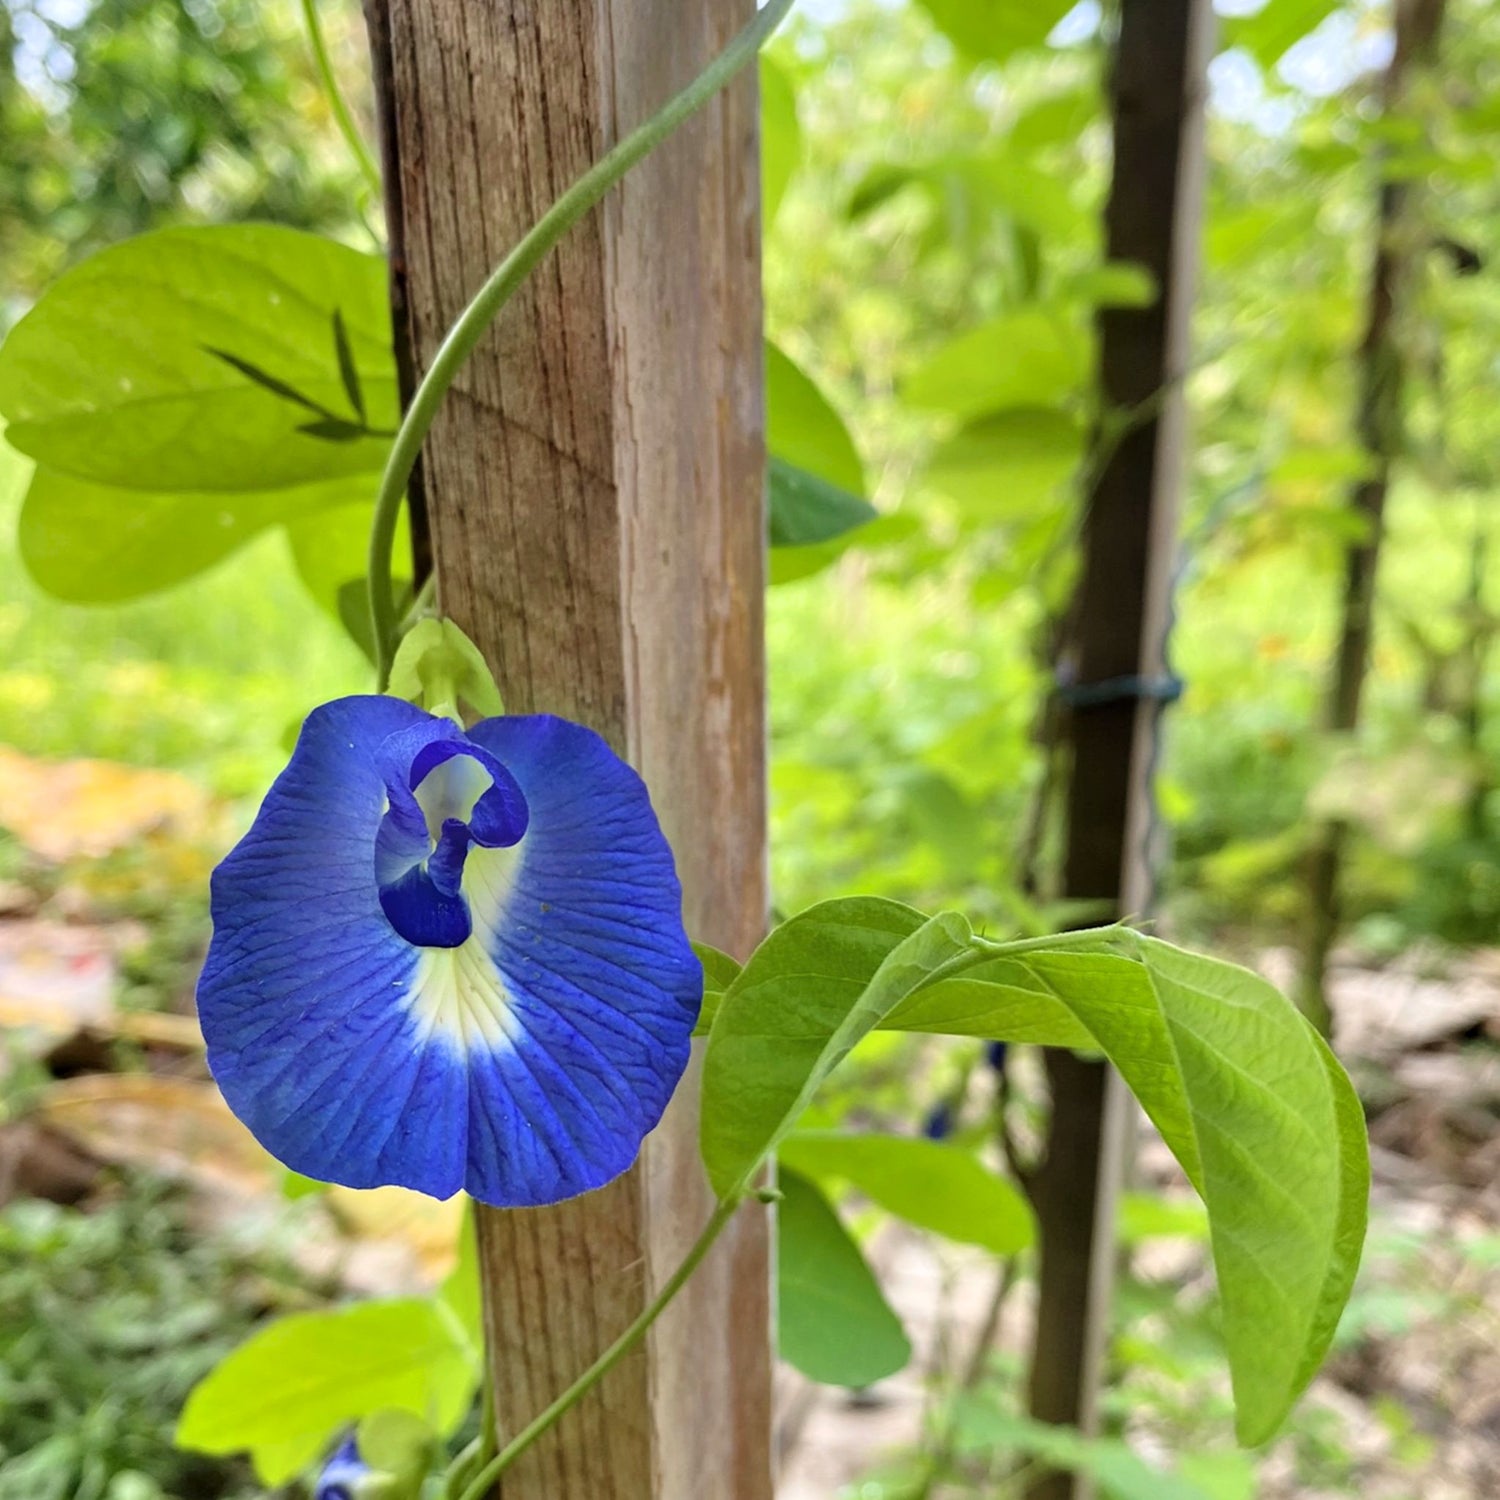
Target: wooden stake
(1380,364)
(1114,656)
(593,490)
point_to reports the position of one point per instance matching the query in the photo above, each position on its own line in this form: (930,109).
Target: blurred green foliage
(123,115)
(106,1321)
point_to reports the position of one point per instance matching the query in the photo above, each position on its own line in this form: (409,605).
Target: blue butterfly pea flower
(346,1476)
(450,959)
(938,1125)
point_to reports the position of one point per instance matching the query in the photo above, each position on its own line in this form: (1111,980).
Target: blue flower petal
(345,1475)
(523,1059)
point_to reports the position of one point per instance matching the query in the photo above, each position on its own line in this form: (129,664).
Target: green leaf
(788,564)
(1057,119)
(1010,465)
(1255,1108)
(1280,1135)
(1118,1472)
(1148,1216)
(134,369)
(1004,998)
(1032,357)
(780,136)
(930,1184)
(460,1292)
(719,972)
(994,29)
(1247,1096)
(796,1010)
(15,471)
(833,1322)
(1117,283)
(330,549)
(288,1390)
(803,429)
(806,510)
(94,544)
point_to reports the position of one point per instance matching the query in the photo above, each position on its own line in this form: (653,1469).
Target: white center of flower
(459,992)
(450,790)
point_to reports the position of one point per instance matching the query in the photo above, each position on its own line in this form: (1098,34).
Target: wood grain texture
(594,495)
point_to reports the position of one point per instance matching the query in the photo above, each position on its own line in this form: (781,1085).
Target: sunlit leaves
(1031,357)
(98,544)
(780,135)
(931,1184)
(284,1394)
(1116,283)
(993,29)
(196,359)
(1009,465)
(1118,1471)
(186,390)
(804,430)
(1268,32)
(833,1322)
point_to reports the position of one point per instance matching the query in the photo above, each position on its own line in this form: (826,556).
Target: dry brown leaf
(68,809)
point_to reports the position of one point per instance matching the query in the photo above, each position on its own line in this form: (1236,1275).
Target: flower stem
(484,1480)
(502,283)
(336,101)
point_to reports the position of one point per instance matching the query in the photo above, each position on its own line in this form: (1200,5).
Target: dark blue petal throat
(450,959)
(444,793)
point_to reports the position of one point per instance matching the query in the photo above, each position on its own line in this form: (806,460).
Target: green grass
(209,678)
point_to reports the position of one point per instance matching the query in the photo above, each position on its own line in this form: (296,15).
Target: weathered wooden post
(593,503)
(1112,668)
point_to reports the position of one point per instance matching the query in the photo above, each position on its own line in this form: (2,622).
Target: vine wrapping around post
(503,282)
(483,1481)
(342,114)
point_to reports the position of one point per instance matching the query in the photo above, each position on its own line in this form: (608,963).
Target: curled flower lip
(450,959)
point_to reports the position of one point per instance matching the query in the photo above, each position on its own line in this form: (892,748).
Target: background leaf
(780,135)
(1267,33)
(1009,465)
(804,430)
(993,29)
(806,510)
(1118,1472)
(1032,357)
(833,1321)
(931,1184)
(288,1390)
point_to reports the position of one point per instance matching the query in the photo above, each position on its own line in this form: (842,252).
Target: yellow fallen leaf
(68,809)
(179,1127)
